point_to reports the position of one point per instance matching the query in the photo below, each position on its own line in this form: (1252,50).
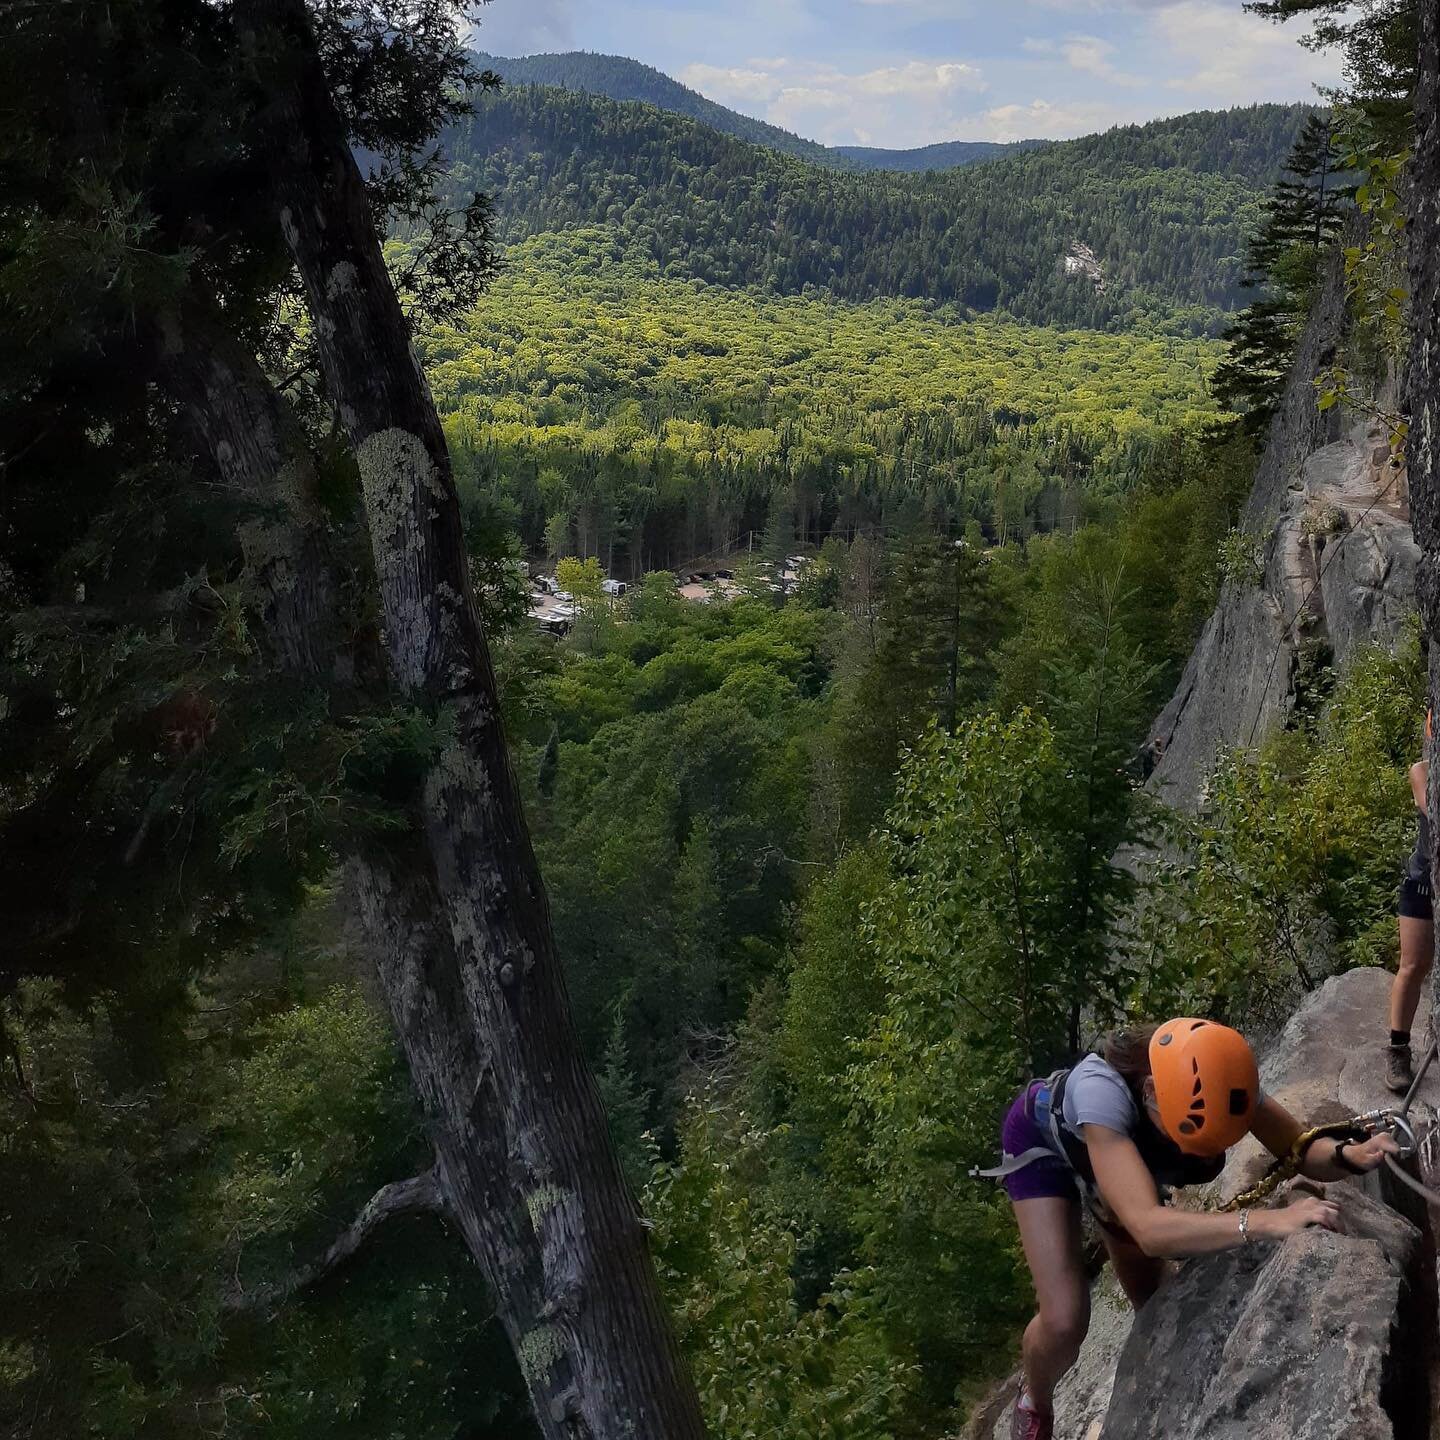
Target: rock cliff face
(1311,1339)
(1329,512)
(1324,1337)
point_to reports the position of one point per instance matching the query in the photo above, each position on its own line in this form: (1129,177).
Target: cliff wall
(1329,513)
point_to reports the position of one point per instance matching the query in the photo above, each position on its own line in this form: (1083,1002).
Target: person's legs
(1417,950)
(1050,1233)
(1139,1274)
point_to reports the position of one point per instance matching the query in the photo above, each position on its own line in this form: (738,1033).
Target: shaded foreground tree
(1423,376)
(546,1210)
(218,140)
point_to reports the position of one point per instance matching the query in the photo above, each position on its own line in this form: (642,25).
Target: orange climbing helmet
(1206,1084)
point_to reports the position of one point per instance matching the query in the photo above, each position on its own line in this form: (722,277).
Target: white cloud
(1232,58)
(919,78)
(911,72)
(523,27)
(734,85)
(888,105)
(1046,120)
(1091,56)
(1114,7)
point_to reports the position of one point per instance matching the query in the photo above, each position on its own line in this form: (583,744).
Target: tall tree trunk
(484,1020)
(248,434)
(1423,377)
(1423,373)
(246,431)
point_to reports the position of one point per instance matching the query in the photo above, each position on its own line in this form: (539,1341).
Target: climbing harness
(1045,1106)
(1396,1123)
(1045,1099)
(1290,1163)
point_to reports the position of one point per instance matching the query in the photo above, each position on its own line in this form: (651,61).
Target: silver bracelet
(1244,1227)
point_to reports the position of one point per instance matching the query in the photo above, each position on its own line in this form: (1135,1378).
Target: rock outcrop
(1326,1064)
(1339,565)
(1080,260)
(1338,562)
(1322,1335)
(1307,1340)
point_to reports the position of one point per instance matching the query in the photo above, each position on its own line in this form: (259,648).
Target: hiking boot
(1399,1072)
(1030,1424)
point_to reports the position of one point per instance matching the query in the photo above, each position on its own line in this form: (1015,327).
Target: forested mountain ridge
(1165,207)
(620,78)
(943,155)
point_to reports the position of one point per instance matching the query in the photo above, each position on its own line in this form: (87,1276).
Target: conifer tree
(1285,258)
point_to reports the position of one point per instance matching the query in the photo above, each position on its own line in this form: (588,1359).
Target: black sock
(1400,1038)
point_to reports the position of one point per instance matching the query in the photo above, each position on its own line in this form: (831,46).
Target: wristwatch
(1343,1160)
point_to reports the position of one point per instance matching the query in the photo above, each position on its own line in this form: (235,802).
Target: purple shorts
(1021,1132)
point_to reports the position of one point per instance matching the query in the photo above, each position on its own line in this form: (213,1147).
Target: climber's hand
(1276,1224)
(1369,1155)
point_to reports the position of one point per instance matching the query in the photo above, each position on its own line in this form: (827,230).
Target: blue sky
(910,72)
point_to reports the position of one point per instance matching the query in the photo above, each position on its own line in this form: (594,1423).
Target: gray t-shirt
(1096,1094)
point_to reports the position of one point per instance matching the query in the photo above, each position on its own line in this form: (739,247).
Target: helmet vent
(1239,1101)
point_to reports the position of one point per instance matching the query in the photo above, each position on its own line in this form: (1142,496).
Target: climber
(1156,1109)
(1417,933)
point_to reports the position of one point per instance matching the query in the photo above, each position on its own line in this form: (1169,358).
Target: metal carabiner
(1403,1133)
(1393,1123)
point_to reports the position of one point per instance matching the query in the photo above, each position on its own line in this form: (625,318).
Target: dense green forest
(623,79)
(1165,207)
(597,407)
(830,866)
(758,918)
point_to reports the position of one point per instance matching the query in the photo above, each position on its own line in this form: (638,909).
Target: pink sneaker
(1030,1424)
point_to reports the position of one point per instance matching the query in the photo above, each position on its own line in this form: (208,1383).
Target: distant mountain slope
(1164,208)
(946,155)
(619,78)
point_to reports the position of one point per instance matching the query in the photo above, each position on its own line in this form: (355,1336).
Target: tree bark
(1423,370)
(488,1022)
(252,439)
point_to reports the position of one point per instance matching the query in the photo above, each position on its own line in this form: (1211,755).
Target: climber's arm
(1277,1130)
(1420,784)
(1128,1188)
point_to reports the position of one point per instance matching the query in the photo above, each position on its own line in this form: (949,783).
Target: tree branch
(419,1195)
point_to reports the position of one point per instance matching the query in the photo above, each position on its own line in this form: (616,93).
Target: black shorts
(1415,899)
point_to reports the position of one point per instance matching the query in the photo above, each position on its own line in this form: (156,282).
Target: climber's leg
(1050,1233)
(1417,950)
(1139,1274)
